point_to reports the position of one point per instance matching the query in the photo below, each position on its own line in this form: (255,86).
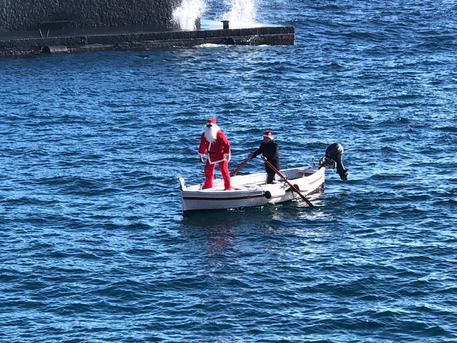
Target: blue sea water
(93,245)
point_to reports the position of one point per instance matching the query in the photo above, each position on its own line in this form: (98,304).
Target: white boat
(252,190)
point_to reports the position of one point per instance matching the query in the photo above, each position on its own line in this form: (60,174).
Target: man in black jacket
(269,149)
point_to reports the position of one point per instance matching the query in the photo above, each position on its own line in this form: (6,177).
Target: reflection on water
(232,217)
(217,231)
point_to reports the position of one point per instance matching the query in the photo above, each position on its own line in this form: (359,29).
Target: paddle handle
(295,189)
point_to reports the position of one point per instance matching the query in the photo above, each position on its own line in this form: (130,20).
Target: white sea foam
(241,14)
(211,45)
(188,13)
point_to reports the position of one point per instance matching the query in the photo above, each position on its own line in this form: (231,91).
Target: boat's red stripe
(234,198)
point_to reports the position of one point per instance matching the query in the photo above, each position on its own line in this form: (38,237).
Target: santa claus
(214,144)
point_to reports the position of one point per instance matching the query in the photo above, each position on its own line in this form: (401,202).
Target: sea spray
(188,13)
(241,13)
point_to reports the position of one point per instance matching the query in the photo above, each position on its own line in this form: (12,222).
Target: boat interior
(249,181)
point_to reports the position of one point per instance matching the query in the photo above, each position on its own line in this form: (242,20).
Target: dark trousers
(270,176)
(270,172)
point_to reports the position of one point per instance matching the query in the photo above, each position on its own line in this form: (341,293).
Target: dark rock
(26,15)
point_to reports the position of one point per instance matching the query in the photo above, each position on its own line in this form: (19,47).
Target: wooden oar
(295,189)
(241,166)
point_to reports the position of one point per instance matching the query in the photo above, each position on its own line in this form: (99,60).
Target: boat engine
(334,159)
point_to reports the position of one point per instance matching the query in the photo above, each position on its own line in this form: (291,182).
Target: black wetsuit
(270,151)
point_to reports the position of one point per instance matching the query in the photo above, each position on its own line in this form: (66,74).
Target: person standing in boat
(214,144)
(269,149)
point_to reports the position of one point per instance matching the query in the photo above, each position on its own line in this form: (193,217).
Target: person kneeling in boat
(214,142)
(269,149)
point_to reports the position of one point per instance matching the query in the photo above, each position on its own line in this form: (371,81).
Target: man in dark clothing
(269,149)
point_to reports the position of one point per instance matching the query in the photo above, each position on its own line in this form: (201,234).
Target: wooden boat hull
(251,190)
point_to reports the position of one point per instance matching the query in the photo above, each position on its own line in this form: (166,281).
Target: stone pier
(135,40)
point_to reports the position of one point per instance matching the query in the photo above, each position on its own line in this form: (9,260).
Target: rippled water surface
(94,247)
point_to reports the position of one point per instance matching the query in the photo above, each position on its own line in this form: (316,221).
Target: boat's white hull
(251,190)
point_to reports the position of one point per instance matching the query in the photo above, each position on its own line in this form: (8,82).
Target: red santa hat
(268,134)
(212,120)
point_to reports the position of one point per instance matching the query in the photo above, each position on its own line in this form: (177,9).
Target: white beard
(211,133)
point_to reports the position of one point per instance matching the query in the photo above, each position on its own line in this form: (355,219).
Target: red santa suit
(215,144)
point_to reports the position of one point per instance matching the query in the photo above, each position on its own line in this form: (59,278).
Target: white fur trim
(211,162)
(224,159)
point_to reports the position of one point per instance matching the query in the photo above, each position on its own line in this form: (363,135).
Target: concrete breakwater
(23,46)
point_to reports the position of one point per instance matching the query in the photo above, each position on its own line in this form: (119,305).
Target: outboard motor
(334,159)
